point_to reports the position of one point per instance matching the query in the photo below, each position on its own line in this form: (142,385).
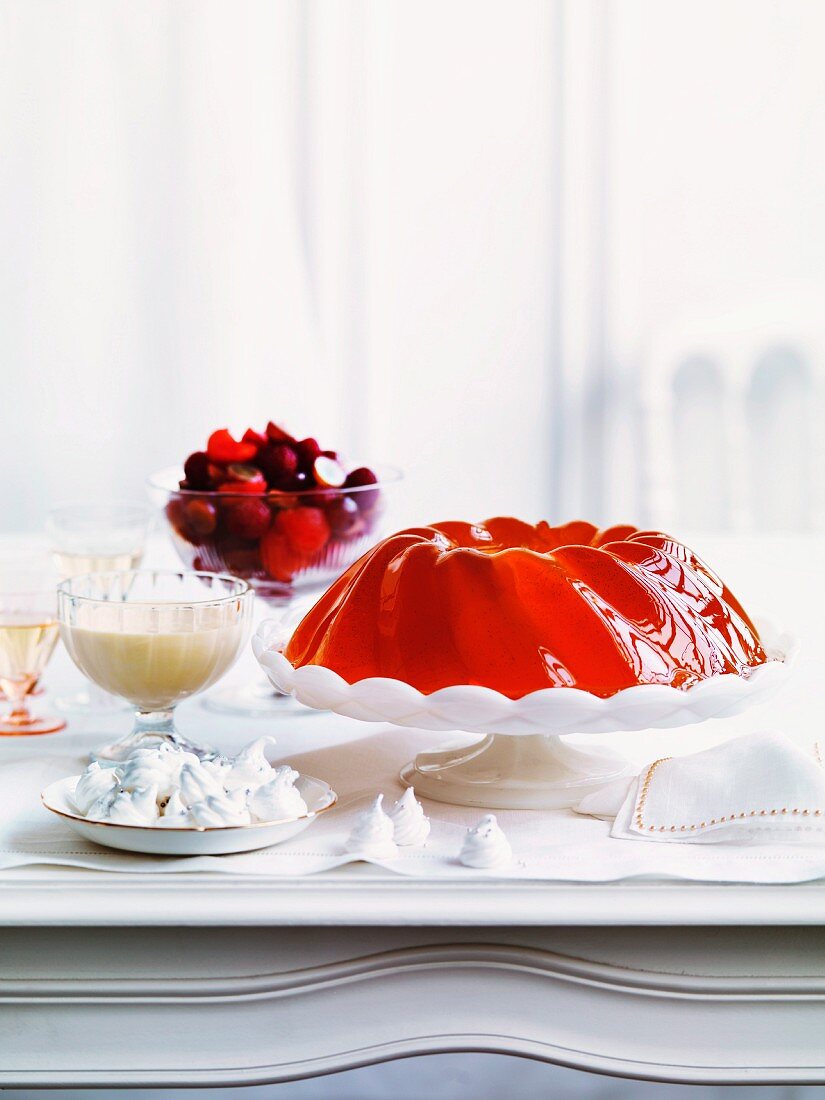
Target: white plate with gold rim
(192,841)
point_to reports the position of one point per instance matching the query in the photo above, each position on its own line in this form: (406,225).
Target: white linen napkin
(760,788)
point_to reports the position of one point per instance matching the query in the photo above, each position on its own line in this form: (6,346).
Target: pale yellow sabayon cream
(154,656)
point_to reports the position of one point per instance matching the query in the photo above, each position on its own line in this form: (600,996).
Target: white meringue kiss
(218,811)
(278,800)
(138,807)
(410,823)
(373,833)
(95,783)
(250,768)
(197,782)
(159,767)
(485,845)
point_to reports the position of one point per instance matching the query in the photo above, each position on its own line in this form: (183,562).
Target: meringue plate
(160,841)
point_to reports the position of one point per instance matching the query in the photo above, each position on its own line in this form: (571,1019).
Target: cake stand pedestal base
(505,772)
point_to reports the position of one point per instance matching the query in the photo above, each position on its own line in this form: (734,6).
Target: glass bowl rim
(387,475)
(63,588)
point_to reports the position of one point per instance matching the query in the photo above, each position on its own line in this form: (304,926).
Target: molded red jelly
(515,607)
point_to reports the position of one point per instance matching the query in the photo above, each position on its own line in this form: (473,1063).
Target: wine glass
(289,546)
(28,634)
(154,637)
(96,537)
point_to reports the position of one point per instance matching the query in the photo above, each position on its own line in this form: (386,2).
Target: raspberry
(306,529)
(196,471)
(248,519)
(279,463)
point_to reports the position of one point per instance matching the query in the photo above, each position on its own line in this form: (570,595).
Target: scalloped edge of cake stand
(520,761)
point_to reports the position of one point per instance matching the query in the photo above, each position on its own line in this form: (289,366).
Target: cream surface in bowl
(161,657)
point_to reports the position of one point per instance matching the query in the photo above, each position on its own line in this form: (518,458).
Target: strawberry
(251,436)
(279,560)
(223,449)
(307,451)
(277,435)
(306,529)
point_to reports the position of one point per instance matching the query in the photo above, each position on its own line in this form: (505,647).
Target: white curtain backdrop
(455,235)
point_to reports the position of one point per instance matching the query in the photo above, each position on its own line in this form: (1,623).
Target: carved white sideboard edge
(272,1027)
(67,898)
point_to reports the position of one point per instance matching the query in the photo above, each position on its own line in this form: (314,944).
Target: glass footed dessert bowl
(155,638)
(521,633)
(277,512)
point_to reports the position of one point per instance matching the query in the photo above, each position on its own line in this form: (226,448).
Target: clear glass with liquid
(96,538)
(28,635)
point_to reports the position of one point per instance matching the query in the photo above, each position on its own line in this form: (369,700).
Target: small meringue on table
(485,845)
(373,833)
(410,824)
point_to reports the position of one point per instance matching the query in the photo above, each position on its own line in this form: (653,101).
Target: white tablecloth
(780,578)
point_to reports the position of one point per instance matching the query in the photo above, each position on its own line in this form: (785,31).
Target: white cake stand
(520,761)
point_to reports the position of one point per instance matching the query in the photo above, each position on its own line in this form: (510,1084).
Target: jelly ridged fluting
(515,607)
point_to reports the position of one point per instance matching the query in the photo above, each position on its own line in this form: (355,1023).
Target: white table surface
(188,978)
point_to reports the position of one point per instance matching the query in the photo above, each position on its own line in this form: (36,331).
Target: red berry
(200,518)
(243,479)
(279,560)
(343,515)
(362,476)
(248,519)
(223,449)
(307,451)
(254,437)
(331,454)
(306,529)
(277,435)
(366,498)
(175,514)
(328,473)
(196,471)
(278,462)
(243,562)
(300,482)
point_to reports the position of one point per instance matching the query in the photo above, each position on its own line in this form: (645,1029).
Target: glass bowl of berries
(279,512)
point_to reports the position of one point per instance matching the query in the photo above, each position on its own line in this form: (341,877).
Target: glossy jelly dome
(515,607)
